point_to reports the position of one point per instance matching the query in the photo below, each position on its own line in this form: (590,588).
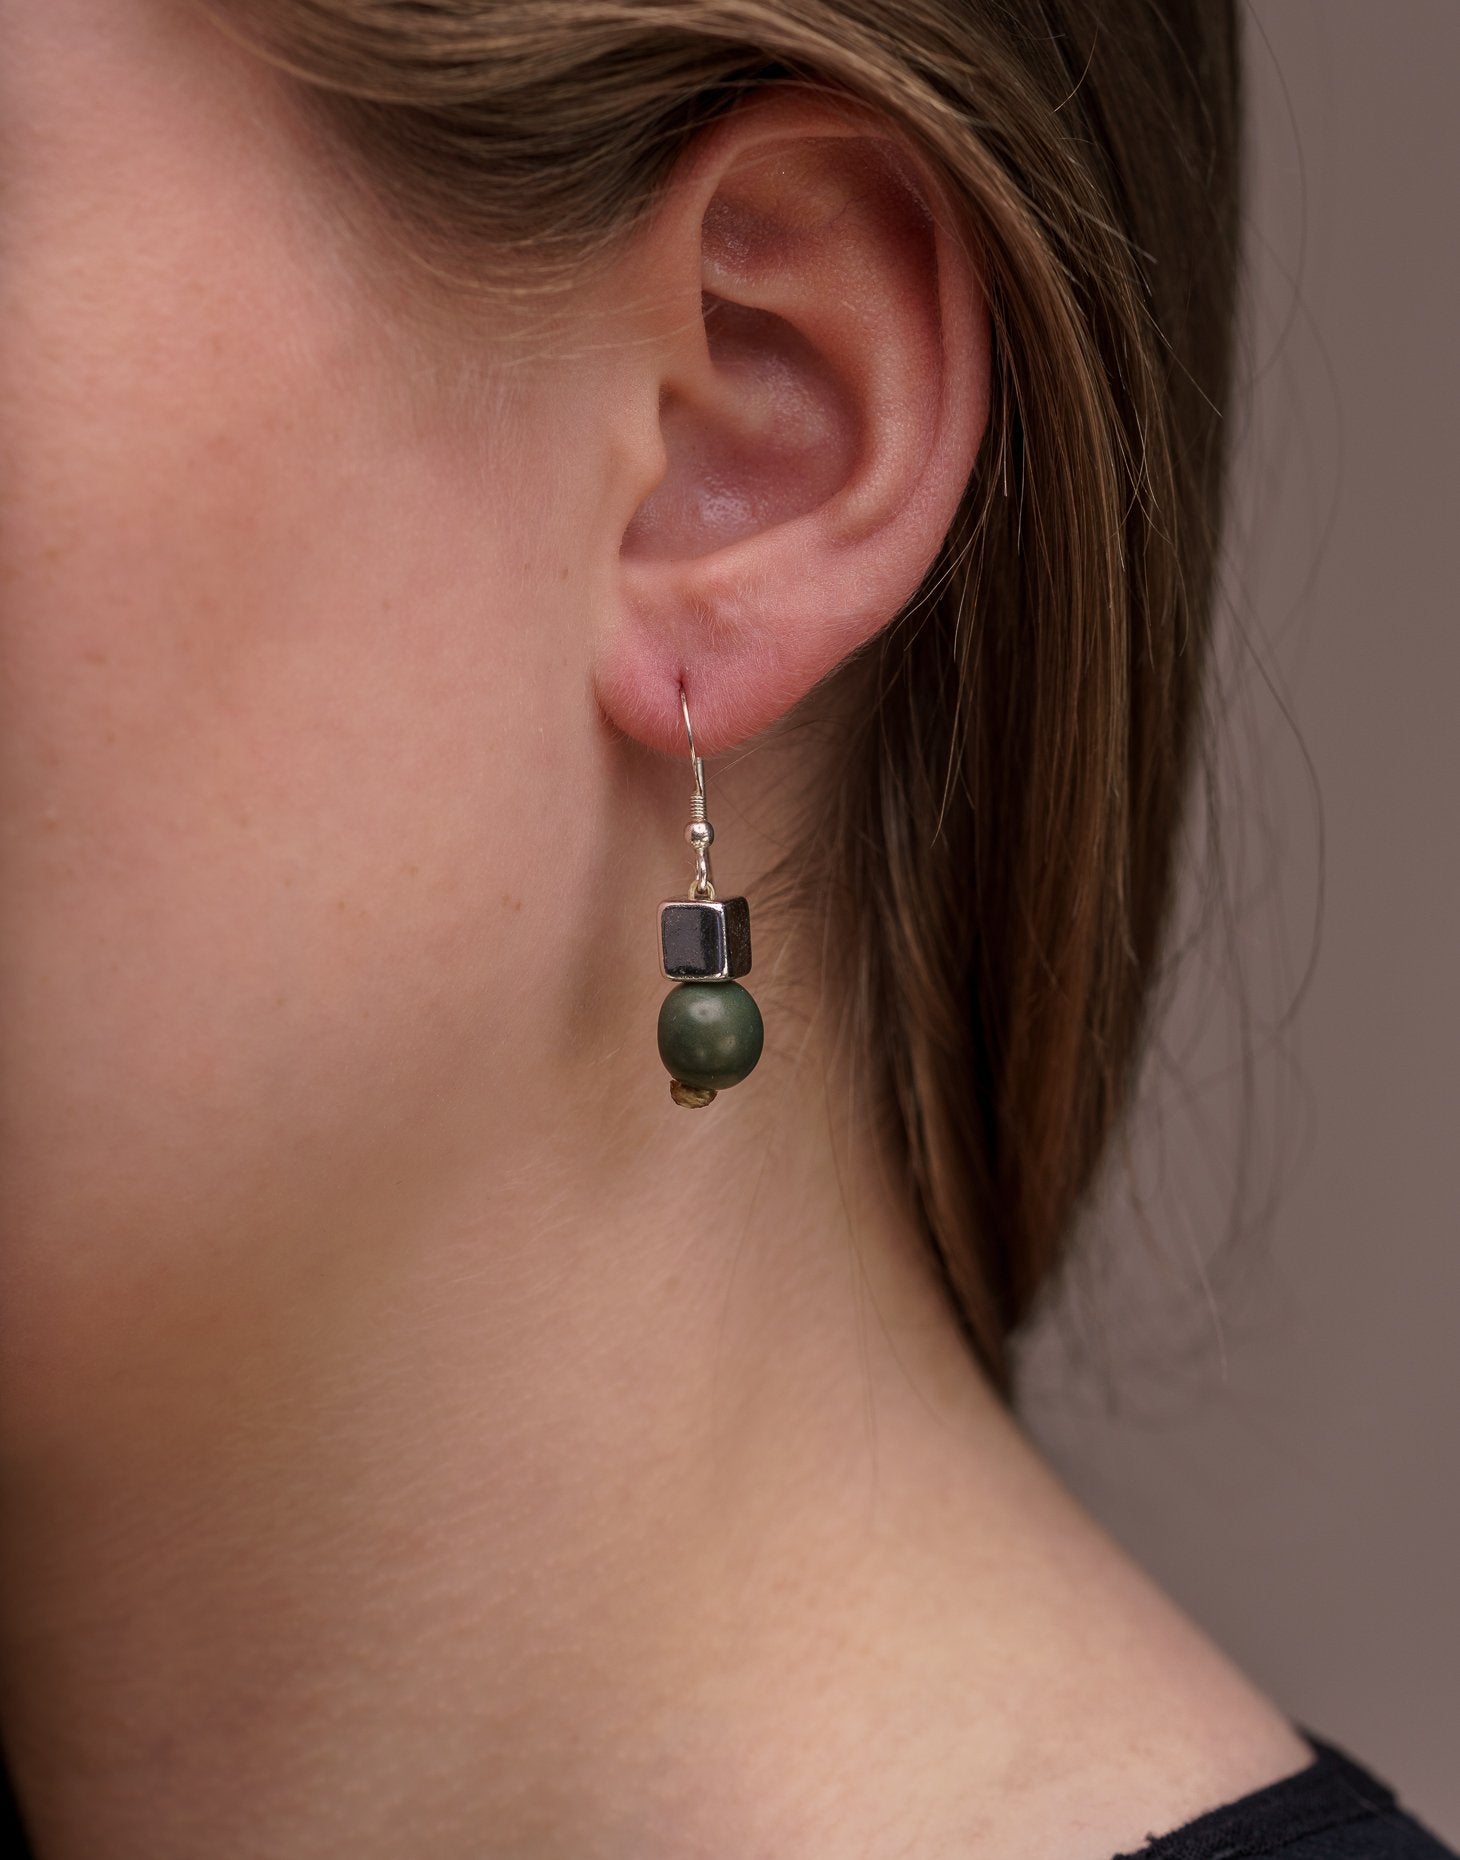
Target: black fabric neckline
(1331,1791)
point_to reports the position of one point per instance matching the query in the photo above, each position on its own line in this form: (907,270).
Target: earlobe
(816,360)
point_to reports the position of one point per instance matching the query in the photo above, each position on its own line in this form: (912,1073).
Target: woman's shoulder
(1335,1809)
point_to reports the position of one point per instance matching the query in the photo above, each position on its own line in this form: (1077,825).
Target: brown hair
(1004,814)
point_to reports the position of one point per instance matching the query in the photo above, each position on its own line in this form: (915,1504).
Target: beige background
(1267,1410)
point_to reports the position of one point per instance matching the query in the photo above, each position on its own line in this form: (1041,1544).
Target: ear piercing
(710,1030)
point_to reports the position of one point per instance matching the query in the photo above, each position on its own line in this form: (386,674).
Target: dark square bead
(704,939)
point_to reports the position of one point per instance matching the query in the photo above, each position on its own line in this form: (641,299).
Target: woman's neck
(607,1506)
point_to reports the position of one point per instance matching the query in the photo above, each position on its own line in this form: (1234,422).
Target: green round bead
(710,1033)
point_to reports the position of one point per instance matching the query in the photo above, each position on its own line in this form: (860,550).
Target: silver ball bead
(699,833)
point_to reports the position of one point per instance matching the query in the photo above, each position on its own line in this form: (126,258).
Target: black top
(1333,1810)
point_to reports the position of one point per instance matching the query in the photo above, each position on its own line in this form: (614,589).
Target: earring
(710,1030)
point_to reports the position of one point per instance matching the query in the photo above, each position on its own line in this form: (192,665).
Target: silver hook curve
(699,832)
(696,763)
(688,728)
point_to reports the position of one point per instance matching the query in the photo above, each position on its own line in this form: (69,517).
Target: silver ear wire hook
(696,763)
(699,832)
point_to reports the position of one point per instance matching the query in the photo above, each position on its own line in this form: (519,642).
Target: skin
(416,1434)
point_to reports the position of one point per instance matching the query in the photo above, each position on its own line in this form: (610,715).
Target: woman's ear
(805,389)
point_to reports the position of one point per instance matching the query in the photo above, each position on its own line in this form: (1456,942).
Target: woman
(428,1428)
